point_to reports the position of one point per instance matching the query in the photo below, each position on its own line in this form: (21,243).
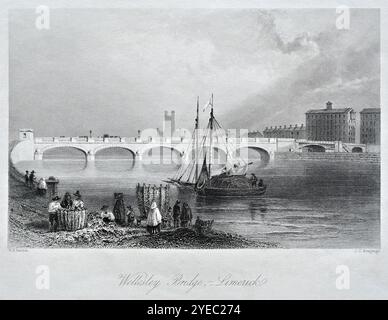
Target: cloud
(264,67)
(343,67)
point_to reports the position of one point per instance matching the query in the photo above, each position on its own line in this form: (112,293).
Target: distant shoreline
(329,156)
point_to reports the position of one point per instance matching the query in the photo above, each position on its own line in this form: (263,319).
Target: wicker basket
(71,220)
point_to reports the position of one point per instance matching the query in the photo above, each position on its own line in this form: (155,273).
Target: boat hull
(231,192)
(180,184)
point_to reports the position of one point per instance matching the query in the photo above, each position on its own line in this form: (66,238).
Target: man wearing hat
(67,202)
(176,213)
(26,178)
(53,208)
(31,178)
(107,215)
(253,180)
(78,203)
(131,218)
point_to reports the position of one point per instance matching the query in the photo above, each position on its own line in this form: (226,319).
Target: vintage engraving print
(210,128)
(173,129)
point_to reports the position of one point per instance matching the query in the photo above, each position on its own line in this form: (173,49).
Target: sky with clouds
(115,71)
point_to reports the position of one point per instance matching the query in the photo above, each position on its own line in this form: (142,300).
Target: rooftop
(329,109)
(371,110)
(337,110)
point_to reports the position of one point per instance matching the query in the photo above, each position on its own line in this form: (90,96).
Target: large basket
(71,220)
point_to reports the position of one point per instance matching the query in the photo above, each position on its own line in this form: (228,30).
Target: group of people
(154,217)
(254,181)
(108,216)
(30,179)
(178,216)
(66,203)
(182,216)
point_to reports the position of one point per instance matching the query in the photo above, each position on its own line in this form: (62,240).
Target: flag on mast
(208,104)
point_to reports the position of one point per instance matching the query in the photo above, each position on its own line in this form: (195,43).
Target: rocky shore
(28,228)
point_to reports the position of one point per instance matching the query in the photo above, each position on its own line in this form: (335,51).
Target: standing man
(31,178)
(189,213)
(176,213)
(185,215)
(131,219)
(253,180)
(53,208)
(27,179)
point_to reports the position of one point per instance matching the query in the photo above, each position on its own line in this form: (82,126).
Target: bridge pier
(90,157)
(38,155)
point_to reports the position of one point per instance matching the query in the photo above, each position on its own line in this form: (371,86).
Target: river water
(308,204)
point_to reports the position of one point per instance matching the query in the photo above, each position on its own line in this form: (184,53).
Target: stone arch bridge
(30,148)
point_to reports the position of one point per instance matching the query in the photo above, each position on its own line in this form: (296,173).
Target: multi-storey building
(370,126)
(255,134)
(292,132)
(331,124)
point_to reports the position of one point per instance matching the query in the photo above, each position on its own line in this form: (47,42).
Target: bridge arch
(47,148)
(357,150)
(313,148)
(243,152)
(219,155)
(146,154)
(101,148)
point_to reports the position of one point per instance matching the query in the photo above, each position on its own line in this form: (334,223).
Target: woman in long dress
(42,187)
(154,219)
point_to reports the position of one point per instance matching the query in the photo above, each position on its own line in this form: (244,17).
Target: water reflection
(307,204)
(113,165)
(257,208)
(66,166)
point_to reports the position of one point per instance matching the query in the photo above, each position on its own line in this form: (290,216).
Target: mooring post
(52,186)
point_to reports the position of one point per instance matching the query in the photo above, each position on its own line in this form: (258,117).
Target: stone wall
(23,150)
(329,156)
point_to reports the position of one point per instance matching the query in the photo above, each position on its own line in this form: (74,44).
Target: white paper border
(92,273)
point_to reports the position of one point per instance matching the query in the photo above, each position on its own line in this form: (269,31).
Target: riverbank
(373,158)
(28,228)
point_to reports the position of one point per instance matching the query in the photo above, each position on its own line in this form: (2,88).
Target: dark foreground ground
(28,228)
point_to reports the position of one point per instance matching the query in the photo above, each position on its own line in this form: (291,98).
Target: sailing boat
(187,175)
(230,180)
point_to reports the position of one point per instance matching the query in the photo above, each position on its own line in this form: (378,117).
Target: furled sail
(203,176)
(200,151)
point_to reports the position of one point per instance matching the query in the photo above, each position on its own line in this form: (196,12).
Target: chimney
(329,105)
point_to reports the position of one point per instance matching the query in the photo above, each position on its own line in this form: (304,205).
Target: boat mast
(196,141)
(211,136)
